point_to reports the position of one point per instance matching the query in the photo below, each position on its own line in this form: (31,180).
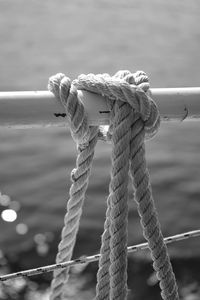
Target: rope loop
(66,93)
(132,88)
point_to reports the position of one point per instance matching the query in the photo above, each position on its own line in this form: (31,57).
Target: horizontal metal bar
(40,108)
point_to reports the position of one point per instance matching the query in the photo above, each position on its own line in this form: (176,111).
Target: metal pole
(41,109)
(89,259)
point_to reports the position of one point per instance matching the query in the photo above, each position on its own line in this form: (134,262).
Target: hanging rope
(134,117)
(146,207)
(86,138)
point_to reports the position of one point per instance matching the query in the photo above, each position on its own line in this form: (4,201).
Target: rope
(146,207)
(118,205)
(149,219)
(93,258)
(134,117)
(113,261)
(130,88)
(86,138)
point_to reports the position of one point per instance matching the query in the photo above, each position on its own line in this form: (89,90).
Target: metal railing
(40,108)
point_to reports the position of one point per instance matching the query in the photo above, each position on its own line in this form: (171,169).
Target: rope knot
(66,92)
(141,100)
(148,111)
(132,88)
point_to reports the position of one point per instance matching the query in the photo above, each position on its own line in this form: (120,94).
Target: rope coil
(134,117)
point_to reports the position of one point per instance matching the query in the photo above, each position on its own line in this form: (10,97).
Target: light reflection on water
(9,215)
(21,228)
(4,200)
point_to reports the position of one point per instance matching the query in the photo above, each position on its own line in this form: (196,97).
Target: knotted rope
(134,117)
(86,138)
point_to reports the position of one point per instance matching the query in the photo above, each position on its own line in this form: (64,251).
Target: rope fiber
(134,118)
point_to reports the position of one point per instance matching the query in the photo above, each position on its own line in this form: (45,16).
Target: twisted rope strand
(103,276)
(80,177)
(86,139)
(114,240)
(119,201)
(149,219)
(66,93)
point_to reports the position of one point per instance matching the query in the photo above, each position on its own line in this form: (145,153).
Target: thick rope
(132,89)
(146,208)
(114,252)
(112,273)
(134,117)
(119,202)
(149,218)
(86,138)
(103,276)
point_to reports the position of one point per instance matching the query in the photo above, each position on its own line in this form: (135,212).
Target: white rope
(89,259)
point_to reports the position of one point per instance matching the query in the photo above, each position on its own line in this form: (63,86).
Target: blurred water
(40,38)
